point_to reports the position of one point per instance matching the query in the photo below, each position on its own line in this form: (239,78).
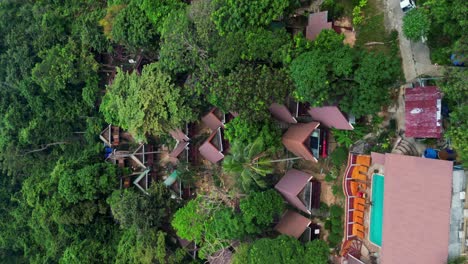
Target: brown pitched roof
(179,148)
(317,23)
(282,113)
(416,212)
(330,116)
(292,224)
(209,150)
(179,135)
(213,120)
(297,137)
(292,183)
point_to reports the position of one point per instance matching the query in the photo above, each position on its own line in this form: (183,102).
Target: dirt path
(415,55)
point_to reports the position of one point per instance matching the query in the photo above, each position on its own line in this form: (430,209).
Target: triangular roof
(212,121)
(209,151)
(139,156)
(292,224)
(330,116)
(297,137)
(282,113)
(179,148)
(142,181)
(317,22)
(179,135)
(291,184)
(106,135)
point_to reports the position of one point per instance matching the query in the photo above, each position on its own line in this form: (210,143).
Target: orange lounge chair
(358,214)
(354,187)
(357,175)
(363,160)
(363,169)
(358,230)
(360,200)
(358,206)
(357,219)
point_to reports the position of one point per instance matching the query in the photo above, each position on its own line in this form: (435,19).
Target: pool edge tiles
(376,211)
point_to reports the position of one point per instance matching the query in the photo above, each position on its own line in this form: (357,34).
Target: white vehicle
(407,5)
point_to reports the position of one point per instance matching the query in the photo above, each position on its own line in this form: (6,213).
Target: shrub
(339,156)
(416,24)
(245,132)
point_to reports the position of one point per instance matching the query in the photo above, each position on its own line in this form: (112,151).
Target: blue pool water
(376,216)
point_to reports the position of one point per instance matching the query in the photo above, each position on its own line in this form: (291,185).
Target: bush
(339,156)
(245,132)
(335,10)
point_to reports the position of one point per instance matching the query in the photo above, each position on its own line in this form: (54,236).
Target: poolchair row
(357,187)
(359,173)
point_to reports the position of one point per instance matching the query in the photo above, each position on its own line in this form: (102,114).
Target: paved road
(415,55)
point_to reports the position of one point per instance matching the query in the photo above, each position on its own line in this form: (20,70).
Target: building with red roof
(423,112)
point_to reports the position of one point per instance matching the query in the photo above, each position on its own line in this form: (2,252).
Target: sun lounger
(360,200)
(354,186)
(363,160)
(357,205)
(357,175)
(357,219)
(358,230)
(358,214)
(363,169)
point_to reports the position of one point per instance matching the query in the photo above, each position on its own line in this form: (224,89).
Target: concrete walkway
(415,55)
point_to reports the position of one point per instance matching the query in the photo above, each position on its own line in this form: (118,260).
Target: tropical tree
(249,164)
(146,104)
(237,15)
(416,24)
(250,90)
(282,249)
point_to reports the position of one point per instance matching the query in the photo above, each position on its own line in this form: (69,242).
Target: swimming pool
(376,213)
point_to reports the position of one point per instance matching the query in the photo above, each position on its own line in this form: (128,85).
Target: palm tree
(250,164)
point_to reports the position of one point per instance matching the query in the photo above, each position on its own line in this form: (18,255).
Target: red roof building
(331,117)
(282,113)
(416,212)
(423,112)
(297,140)
(214,119)
(212,148)
(292,224)
(299,190)
(317,22)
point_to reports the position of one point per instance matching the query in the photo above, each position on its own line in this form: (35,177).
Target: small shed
(214,119)
(423,106)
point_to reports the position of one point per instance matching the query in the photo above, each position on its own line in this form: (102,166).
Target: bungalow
(330,117)
(305,140)
(212,148)
(110,136)
(182,142)
(142,181)
(295,225)
(300,190)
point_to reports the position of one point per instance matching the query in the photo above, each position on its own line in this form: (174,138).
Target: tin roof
(282,113)
(423,112)
(209,151)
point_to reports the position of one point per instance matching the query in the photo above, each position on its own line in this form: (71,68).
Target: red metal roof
(422,112)
(330,116)
(292,183)
(179,135)
(416,213)
(179,148)
(317,22)
(292,224)
(297,137)
(282,113)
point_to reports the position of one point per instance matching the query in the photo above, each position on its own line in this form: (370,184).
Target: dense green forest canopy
(69,67)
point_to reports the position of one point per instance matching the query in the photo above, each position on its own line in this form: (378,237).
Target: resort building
(423,106)
(300,190)
(404,209)
(295,225)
